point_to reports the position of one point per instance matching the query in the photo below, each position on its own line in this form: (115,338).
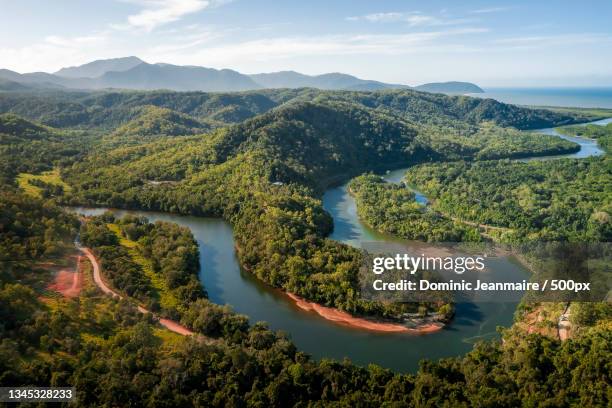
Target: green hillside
(109,110)
(155,121)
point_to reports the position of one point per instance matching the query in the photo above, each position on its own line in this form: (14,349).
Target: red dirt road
(168,324)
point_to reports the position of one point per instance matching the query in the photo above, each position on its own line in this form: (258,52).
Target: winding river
(226,283)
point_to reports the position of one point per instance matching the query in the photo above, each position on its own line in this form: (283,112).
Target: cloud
(155,13)
(490,10)
(413,18)
(546,41)
(54,51)
(50,55)
(71,42)
(191,37)
(331,45)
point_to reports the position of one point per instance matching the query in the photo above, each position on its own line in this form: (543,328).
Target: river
(588,147)
(226,283)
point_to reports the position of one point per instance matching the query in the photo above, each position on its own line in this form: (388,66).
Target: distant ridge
(178,78)
(98,68)
(8,85)
(336,80)
(134,73)
(452,87)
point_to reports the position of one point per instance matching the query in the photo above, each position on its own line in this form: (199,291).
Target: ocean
(570,97)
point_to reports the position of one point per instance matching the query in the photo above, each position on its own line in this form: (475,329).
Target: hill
(292,79)
(153,120)
(18,127)
(30,147)
(452,87)
(109,110)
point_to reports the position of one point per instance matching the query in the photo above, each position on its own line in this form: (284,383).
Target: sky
(507,43)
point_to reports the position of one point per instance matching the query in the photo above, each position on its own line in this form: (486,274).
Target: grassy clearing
(49,177)
(166,298)
(93,339)
(168,337)
(87,271)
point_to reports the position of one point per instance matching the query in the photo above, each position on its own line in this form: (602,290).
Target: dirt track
(168,324)
(564,326)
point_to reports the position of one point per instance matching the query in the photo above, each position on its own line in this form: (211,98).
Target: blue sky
(492,43)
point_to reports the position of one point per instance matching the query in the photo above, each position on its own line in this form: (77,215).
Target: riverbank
(338,316)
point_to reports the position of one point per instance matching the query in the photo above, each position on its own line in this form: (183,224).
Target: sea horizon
(578,97)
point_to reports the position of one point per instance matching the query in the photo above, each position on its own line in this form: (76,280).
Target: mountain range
(134,73)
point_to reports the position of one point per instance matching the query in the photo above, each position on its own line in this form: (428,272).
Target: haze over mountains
(134,73)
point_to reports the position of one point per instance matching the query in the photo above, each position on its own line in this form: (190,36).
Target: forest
(392,208)
(108,110)
(557,200)
(156,264)
(261,161)
(235,173)
(116,356)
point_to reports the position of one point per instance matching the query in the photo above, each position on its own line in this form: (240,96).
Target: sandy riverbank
(347,319)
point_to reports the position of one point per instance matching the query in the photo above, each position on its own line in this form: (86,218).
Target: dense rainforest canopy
(556,200)
(261,161)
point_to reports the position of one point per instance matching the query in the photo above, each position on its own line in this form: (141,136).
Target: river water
(226,283)
(588,147)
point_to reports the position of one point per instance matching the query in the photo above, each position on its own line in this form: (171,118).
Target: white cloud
(413,18)
(155,13)
(298,47)
(54,51)
(69,42)
(192,38)
(546,41)
(490,10)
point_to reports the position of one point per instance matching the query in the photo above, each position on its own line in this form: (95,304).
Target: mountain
(133,73)
(292,79)
(37,79)
(99,67)
(452,87)
(142,76)
(8,85)
(177,78)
